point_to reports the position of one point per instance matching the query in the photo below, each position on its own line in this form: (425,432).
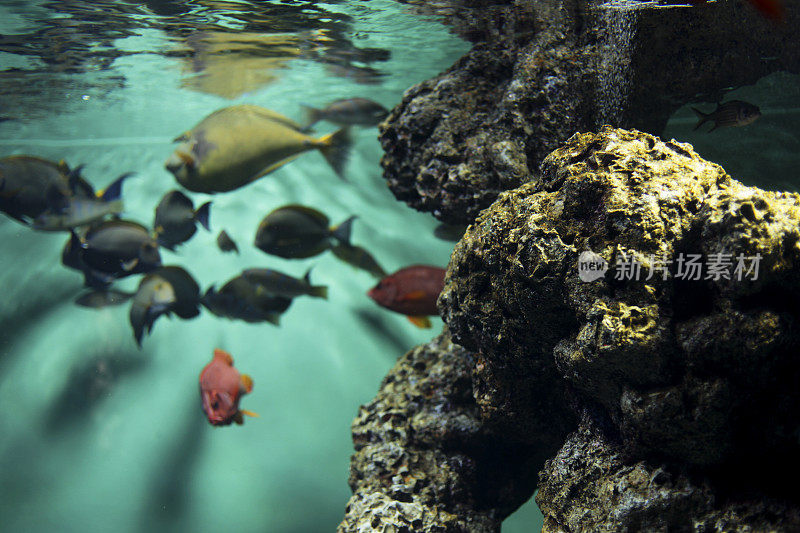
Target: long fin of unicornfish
(246,383)
(342,232)
(202,215)
(319,291)
(420,321)
(335,148)
(114,191)
(702,118)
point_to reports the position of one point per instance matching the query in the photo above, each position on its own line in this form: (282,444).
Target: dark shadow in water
(170,487)
(387,330)
(88,385)
(221,44)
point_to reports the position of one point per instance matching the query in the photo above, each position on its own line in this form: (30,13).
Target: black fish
(358,257)
(176,218)
(348,112)
(280,284)
(111,250)
(298,232)
(729,114)
(239,299)
(225,243)
(166,290)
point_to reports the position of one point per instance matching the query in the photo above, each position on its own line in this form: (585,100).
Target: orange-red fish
(221,388)
(411,291)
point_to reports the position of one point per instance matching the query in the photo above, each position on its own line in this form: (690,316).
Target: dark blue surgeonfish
(280,284)
(358,257)
(29,185)
(176,219)
(66,213)
(165,290)
(111,250)
(297,232)
(240,299)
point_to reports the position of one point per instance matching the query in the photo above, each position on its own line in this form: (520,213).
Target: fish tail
(702,118)
(335,148)
(313,116)
(114,191)
(202,215)
(138,317)
(320,291)
(342,232)
(73,176)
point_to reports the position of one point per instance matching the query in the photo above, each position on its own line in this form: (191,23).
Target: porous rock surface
(540,71)
(423,461)
(700,376)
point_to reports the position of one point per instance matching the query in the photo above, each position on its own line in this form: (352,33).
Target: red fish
(411,291)
(221,388)
(771,9)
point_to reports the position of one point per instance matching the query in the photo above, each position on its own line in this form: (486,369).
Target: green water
(98,435)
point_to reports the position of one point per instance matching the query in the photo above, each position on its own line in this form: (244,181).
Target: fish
(240,299)
(115,249)
(450,232)
(100,298)
(153,298)
(297,232)
(280,284)
(358,257)
(221,389)
(66,213)
(411,291)
(730,114)
(166,290)
(225,243)
(348,112)
(176,219)
(29,185)
(237,145)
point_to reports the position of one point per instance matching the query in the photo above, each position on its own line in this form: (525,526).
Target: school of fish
(225,151)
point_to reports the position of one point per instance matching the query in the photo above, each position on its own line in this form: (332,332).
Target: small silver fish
(98,299)
(730,114)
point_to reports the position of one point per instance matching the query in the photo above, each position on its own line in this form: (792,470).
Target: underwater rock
(619,494)
(539,72)
(424,462)
(699,375)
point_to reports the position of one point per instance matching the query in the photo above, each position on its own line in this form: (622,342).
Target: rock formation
(672,393)
(540,71)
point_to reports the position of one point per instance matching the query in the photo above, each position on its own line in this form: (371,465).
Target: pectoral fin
(412,296)
(248,413)
(127,266)
(246,383)
(420,321)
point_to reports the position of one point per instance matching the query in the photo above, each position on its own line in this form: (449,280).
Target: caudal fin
(342,232)
(114,191)
(202,215)
(336,149)
(702,118)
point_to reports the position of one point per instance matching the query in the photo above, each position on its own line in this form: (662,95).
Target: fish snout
(174,164)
